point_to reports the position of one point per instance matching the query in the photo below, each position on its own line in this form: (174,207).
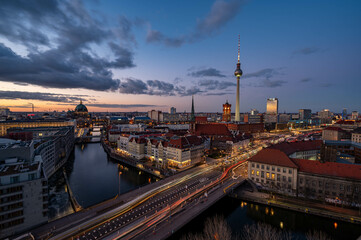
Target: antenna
(238,46)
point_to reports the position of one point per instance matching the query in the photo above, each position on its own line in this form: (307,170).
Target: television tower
(238,74)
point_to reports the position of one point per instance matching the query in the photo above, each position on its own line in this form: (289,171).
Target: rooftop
(273,157)
(329,168)
(14,166)
(300,146)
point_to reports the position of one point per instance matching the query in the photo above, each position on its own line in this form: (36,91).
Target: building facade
(226,117)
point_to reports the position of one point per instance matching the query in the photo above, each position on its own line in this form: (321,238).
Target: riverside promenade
(300,205)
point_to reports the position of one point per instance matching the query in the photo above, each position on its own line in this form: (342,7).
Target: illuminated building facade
(272,111)
(226,117)
(4,126)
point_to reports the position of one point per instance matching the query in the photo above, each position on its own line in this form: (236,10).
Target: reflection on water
(93,178)
(238,214)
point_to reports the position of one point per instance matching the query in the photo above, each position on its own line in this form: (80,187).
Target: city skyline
(136,57)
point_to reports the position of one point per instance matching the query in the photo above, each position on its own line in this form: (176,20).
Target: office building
(172,110)
(23,188)
(271,115)
(155,115)
(305,114)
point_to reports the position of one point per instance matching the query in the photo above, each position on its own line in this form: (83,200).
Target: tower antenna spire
(239,46)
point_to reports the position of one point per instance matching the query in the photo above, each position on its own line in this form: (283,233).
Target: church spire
(192,113)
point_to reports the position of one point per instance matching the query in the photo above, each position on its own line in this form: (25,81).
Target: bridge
(140,213)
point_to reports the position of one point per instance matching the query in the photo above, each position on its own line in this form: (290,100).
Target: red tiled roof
(329,168)
(273,157)
(289,148)
(185,142)
(212,129)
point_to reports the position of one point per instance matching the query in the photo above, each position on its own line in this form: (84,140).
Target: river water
(94,177)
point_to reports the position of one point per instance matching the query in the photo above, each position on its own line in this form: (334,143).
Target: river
(93,178)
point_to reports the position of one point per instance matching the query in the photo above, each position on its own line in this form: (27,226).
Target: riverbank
(302,206)
(131,161)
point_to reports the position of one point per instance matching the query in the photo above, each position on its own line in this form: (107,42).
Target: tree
(317,235)
(262,231)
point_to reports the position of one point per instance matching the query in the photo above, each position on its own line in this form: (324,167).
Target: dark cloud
(154,36)
(304,80)
(307,51)
(220,14)
(208,72)
(51,97)
(266,78)
(267,73)
(215,84)
(66,33)
(217,93)
(133,86)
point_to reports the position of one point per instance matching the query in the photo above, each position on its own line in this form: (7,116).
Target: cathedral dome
(81,107)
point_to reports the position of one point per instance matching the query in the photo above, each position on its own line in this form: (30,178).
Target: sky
(125,55)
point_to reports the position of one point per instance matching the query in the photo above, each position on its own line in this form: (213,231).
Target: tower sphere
(238,72)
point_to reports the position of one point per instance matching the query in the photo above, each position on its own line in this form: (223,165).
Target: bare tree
(317,235)
(191,236)
(217,228)
(262,231)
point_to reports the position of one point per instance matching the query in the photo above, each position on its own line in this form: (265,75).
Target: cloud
(325,85)
(215,84)
(266,76)
(267,73)
(304,80)
(106,105)
(307,51)
(208,72)
(51,97)
(219,15)
(60,38)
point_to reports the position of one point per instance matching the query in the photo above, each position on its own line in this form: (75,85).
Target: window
(257,165)
(267,175)
(273,168)
(342,187)
(289,179)
(262,174)
(267,167)
(290,171)
(14,179)
(252,172)
(284,170)
(257,173)
(278,169)
(252,164)
(273,176)
(278,177)
(32,176)
(262,166)
(284,178)
(301,180)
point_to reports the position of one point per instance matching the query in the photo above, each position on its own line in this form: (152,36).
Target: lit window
(252,172)
(273,176)
(267,175)
(257,173)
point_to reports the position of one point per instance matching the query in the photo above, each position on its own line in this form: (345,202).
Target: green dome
(81,108)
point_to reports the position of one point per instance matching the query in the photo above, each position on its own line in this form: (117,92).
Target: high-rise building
(344,113)
(354,115)
(238,73)
(226,117)
(272,110)
(4,111)
(254,112)
(325,116)
(305,114)
(155,115)
(172,110)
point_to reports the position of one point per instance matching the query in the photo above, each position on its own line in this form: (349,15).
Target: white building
(356,135)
